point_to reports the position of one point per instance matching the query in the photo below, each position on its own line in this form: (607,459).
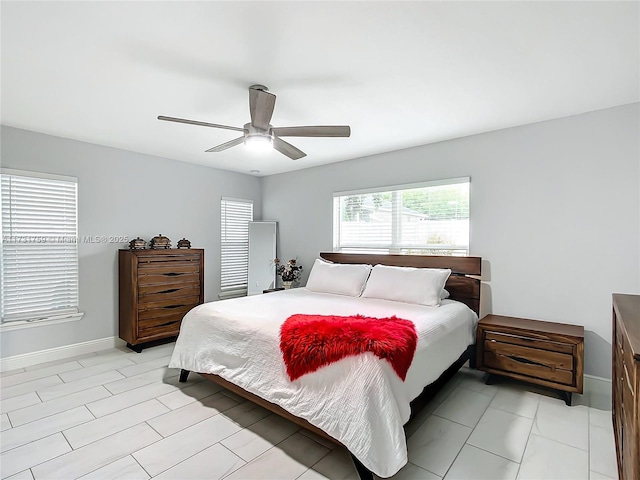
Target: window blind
(39,246)
(425,219)
(234,269)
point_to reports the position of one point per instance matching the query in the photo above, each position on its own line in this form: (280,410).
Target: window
(234,269)
(426,219)
(39,247)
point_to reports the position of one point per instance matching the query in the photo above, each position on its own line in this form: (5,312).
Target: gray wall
(555,214)
(122,193)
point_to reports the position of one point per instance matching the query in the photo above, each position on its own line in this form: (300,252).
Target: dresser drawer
(151,259)
(169,266)
(168,278)
(158,292)
(628,429)
(628,382)
(619,337)
(168,325)
(167,307)
(543,364)
(628,363)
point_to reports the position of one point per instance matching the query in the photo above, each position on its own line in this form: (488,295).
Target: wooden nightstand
(543,353)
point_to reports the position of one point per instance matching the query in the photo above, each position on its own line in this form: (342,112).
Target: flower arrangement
(290,272)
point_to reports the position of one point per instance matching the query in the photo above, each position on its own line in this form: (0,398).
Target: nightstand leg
(566,396)
(491,379)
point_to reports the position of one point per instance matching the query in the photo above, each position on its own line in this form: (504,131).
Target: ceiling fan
(260,134)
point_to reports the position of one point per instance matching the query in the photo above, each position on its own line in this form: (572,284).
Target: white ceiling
(400,74)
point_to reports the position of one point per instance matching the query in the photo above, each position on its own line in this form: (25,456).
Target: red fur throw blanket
(309,342)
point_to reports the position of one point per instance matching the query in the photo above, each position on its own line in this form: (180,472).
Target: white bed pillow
(423,286)
(338,278)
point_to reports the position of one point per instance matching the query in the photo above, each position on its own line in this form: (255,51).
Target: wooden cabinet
(543,353)
(157,288)
(626,384)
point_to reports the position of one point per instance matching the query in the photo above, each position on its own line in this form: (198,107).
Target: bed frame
(461,286)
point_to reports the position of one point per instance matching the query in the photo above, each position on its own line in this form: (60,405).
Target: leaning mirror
(262,251)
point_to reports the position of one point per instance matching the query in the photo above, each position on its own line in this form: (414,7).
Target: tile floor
(117,414)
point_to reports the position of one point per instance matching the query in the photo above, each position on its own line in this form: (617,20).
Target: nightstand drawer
(543,364)
(530,340)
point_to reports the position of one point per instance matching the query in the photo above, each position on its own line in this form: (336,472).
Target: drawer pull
(527,361)
(171,290)
(175,306)
(168,323)
(172,274)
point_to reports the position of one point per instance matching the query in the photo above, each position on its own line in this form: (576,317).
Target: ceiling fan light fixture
(258,143)
(260,135)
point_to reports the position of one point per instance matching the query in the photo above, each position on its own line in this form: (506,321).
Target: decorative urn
(184,243)
(160,241)
(137,244)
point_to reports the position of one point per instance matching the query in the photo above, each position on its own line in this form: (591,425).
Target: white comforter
(359,400)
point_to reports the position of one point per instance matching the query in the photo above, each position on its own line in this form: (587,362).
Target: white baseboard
(597,384)
(58,353)
(598,379)
(597,392)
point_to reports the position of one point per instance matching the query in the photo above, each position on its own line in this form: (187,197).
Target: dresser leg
(566,396)
(184,374)
(135,348)
(491,379)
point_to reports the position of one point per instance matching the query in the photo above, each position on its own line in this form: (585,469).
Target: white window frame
(16,234)
(229,289)
(395,246)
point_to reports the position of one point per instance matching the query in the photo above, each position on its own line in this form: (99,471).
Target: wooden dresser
(626,384)
(545,353)
(157,288)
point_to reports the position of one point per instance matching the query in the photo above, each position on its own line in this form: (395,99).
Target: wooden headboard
(461,287)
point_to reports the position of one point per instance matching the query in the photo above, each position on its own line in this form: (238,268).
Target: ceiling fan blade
(287,149)
(317,131)
(202,124)
(261,105)
(224,146)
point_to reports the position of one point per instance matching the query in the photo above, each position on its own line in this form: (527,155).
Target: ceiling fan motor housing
(251,131)
(257,138)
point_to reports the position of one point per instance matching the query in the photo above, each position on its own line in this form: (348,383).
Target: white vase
(286,285)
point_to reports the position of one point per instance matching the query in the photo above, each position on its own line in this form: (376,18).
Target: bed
(359,401)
